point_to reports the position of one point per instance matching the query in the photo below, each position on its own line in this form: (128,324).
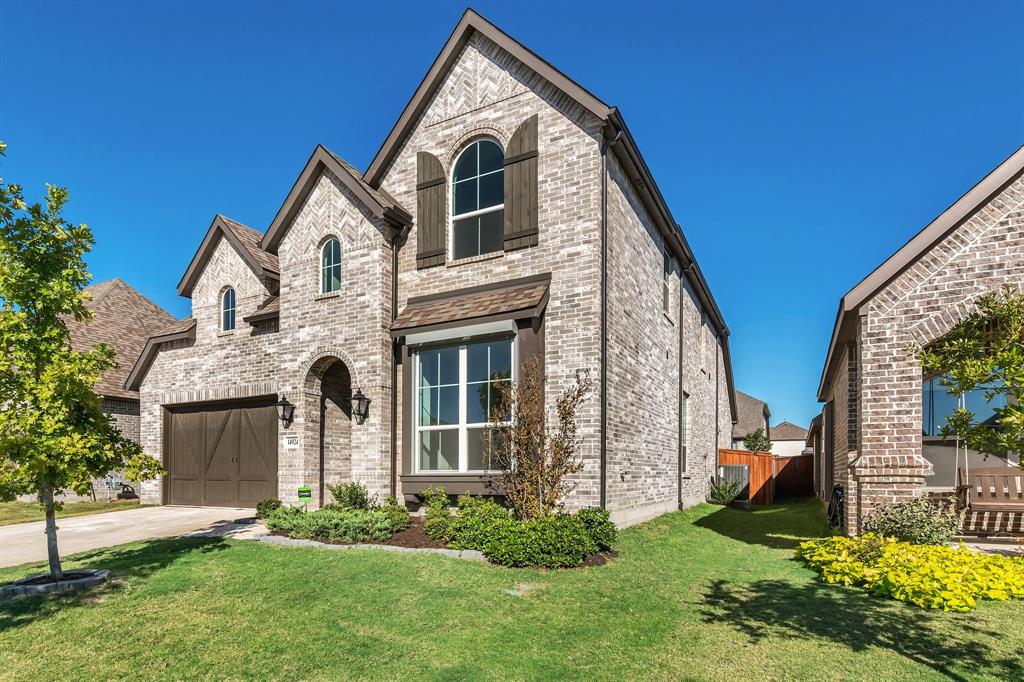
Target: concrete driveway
(26,542)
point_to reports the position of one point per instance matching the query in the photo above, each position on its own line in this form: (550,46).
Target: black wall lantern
(285,411)
(360,406)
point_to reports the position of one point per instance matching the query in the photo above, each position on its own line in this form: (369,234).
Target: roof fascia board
(320,160)
(960,211)
(471,21)
(217,231)
(148,354)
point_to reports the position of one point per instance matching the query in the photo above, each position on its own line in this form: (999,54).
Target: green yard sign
(305,494)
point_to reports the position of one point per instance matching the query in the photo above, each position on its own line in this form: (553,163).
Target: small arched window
(227,310)
(330,266)
(478,196)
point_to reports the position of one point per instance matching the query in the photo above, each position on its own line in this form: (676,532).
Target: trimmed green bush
(555,541)
(437,518)
(917,520)
(339,525)
(473,525)
(947,578)
(599,526)
(265,507)
(724,492)
(350,496)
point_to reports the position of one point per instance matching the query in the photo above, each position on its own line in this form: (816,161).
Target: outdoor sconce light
(360,406)
(285,411)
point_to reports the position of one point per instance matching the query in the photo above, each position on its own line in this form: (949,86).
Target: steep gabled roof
(123,319)
(937,230)
(246,242)
(381,204)
(751,414)
(617,134)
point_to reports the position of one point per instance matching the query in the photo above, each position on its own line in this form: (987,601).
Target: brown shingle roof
(750,416)
(527,296)
(182,329)
(250,239)
(123,319)
(788,431)
(268,309)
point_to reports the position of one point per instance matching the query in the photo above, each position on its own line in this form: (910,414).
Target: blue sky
(799,144)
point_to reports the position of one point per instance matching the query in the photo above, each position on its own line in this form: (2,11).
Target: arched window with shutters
(227,310)
(330,266)
(478,200)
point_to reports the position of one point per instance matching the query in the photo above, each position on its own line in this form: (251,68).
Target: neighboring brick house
(508,215)
(751,414)
(123,319)
(877,433)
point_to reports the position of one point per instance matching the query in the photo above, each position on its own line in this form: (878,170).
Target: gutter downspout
(399,236)
(718,400)
(605,146)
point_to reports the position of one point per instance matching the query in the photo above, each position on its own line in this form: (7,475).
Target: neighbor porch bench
(993,500)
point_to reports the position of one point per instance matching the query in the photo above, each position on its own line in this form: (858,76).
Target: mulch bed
(414,536)
(600,558)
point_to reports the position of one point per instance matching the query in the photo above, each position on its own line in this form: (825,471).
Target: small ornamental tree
(984,351)
(53,435)
(757,441)
(535,460)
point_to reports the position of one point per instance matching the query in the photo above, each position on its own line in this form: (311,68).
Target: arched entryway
(328,402)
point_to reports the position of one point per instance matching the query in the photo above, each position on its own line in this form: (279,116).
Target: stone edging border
(468,554)
(95,577)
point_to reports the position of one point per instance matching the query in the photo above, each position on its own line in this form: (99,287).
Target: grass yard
(708,593)
(23,512)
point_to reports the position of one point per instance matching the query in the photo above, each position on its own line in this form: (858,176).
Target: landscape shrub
(474,523)
(599,526)
(552,541)
(437,518)
(339,525)
(350,496)
(917,520)
(724,492)
(935,577)
(265,507)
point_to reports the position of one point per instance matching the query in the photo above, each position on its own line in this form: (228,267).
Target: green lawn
(22,512)
(708,593)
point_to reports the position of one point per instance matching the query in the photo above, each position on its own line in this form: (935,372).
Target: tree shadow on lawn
(132,562)
(855,620)
(779,526)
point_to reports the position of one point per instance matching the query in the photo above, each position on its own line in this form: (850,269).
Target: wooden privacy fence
(772,476)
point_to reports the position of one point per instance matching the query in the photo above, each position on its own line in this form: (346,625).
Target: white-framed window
(666,282)
(684,429)
(227,310)
(456,391)
(478,200)
(330,266)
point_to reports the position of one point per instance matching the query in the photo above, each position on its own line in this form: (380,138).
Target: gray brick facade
(876,388)
(486,92)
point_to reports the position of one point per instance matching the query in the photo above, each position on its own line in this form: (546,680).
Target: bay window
(457,389)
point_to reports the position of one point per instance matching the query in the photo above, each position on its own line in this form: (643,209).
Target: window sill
(668,317)
(327,297)
(230,332)
(474,259)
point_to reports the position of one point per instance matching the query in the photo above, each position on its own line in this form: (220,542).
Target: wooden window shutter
(521,187)
(431,221)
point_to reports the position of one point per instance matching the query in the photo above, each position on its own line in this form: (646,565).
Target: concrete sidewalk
(26,542)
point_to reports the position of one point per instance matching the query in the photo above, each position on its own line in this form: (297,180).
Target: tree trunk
(51,533)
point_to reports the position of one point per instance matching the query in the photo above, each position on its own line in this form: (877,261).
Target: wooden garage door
(222,456)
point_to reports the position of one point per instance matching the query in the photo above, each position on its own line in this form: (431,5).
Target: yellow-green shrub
(934,577)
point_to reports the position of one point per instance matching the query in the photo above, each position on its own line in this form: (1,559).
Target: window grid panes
(456,392)
(330,267)
(478,187)
(227,320)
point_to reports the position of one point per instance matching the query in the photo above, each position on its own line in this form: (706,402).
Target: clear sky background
(798,143)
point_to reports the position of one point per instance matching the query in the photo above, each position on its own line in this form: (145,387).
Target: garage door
(223,455)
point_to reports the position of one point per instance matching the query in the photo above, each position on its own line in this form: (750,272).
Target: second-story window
(478,200)
(330,267)
(666,283)
(227,310)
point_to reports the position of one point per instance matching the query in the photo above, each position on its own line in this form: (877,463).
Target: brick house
(508,215)
(878,433)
